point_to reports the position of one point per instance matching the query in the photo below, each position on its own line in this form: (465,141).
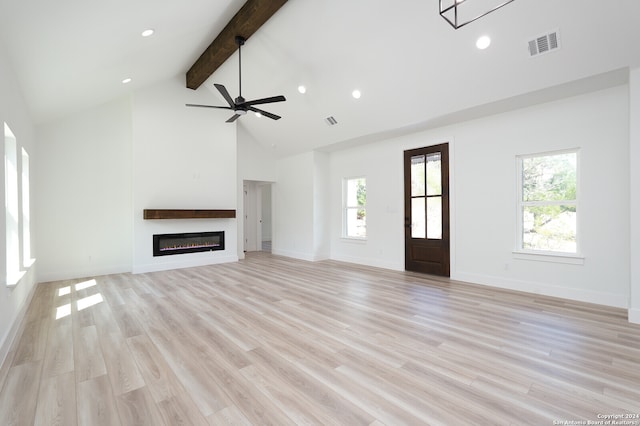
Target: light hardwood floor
(272,340)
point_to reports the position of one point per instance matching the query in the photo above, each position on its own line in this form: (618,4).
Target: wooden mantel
(187,214)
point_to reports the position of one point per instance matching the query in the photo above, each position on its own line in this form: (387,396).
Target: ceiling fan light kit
(459,13)
(240,106)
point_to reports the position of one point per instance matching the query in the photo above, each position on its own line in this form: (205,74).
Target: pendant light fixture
(459,13)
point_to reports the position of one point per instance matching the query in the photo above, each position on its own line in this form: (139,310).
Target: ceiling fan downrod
(240,106)
(240,42)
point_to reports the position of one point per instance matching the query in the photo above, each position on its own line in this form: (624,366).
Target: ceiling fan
(240,106)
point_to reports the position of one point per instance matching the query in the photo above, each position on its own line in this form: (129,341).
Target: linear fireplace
(167,244)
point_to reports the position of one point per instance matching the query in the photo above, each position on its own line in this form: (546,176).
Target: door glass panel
(434,174)
(417,175)
(434,218)
(418,229)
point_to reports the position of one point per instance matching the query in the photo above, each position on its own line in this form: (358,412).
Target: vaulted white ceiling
(413,69)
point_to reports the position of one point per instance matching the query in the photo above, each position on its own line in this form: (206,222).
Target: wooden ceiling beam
(249,18)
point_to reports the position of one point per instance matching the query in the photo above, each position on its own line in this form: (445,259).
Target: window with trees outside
(548,202)
(354,210)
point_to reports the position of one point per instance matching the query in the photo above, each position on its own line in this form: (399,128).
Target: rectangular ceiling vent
(544,44)
(331,121)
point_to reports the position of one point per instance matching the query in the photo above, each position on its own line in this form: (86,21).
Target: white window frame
(346,208)
(27,259)
(17,209)
(12,209)
(544,255)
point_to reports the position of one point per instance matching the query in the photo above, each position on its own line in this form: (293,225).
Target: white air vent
(331,121)
(544,43)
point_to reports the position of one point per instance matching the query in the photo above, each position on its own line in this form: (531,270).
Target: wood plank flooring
(277,341)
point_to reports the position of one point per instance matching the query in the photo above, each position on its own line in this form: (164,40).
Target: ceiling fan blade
(265,113)
(265,100)
(225,94)
(208,106)
(234,118)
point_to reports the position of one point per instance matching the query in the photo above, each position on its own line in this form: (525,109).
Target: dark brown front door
(426,209)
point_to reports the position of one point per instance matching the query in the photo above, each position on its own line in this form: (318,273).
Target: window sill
(566,258)
(14,279)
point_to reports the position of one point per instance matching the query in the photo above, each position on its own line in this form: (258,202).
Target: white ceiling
(414,70)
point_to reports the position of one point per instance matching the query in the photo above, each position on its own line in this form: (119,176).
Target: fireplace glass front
(168,244)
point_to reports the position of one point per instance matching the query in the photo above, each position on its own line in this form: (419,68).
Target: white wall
(183,158)
(255,163)
(381,165)
(293,221)
(14,112)
(483,196)
(84,193)
(90,200)
(301,202)
(634,165)
(321,206)
(596,123)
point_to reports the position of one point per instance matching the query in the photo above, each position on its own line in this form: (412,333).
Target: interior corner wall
(84,190)
(255,163)
(634,192)
(293,224)
(183,158)
(14,111)
(301,202)
(483,195)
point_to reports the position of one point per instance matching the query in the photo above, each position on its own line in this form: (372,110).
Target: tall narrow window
(26,215)
(548,202)
(355,212)
(11,206)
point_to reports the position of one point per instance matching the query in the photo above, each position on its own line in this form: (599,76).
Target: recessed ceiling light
(126,80)
(356,94)
(483,42)
(258,114)
(302,89)
(147,32)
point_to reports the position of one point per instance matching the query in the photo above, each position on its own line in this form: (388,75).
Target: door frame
(447,231)
(252,214)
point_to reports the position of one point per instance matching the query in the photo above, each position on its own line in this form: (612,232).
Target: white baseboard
(578,294)
(349,259)
(294,254)
(5,345)
(375,263)
(49,276)
(180,264)
(634,315)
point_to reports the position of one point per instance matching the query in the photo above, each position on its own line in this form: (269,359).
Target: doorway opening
(258,217)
